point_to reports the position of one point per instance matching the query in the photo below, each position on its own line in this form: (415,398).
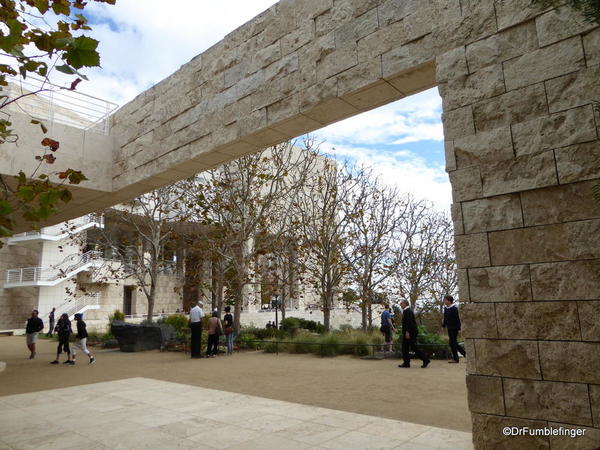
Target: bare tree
(324,205)
(375,214)
(246,198)
(147,227)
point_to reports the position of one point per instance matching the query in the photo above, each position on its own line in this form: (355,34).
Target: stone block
(415,80)
(463,285)
(582,237)
(451,65)
(484,147)
(502,46)
(591,45)
(561,23)
(529,245)
(381,41)
(556,204)
(500,284)
(578,162)
(283,109)
(588,318)
(559,402)
(472,250)
(298,37)
(547,62)
(513,107)
(577,362)
(357,28)
(566,280)
(485,83)
(457,219)
(450,157)
(595,399)
(487,433)
(573,90)
(472,359)
(391,11)
(519,174)
(405,58)
(485,395)
(479,321)
(538,320)
(513,12)
(557,130)
(458,123)
(494,213)
(336,62)
(360,76)
(582,438)
(466,184)
(515,359)
(296,125)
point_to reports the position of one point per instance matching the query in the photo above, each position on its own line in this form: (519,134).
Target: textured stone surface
(558,130)
(572,90)
(466,184)
(527,245)
(538,320)
(595,399)
(514,106)
(463,285)
(561,23)
(571,361)
(458,123)
(500,284)
(452,64)
(502,46)
(558,204)
(578,162)
(457,219)
(587,439)
(483,147)
(485,395)
(591,44)
(490,435)
(567,280)
(516,359)
(552,61)
(560,402)
(472,250)
(519,174)
(482,320)
(588,318)
(513,12)
(485,83)
(494,213)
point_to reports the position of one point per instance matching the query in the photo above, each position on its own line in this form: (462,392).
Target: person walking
(228,329)
(409,336)
(64,331)
(196,315)
(81,339)
(33,327)
(387,327)
(452,324)
(215,329)
(51,320)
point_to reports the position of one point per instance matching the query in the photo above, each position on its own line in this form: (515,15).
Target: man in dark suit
(409,336)
(452,324)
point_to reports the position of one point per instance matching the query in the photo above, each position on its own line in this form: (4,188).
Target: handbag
(228,330)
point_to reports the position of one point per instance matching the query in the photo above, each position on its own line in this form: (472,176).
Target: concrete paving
(145,413)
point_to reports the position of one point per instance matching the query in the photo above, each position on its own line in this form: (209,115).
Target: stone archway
(521,148)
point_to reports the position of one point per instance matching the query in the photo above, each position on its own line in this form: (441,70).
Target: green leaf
(41,5)
(25,193)
(70,71)
(5,232)
(82,53)
(5,208)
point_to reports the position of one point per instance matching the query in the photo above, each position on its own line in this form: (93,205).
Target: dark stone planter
(138,338)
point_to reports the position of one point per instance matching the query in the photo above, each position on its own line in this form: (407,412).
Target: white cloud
(416,118)
(404,169)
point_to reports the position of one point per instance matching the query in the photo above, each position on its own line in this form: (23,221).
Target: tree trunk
(151,301)
(283,301)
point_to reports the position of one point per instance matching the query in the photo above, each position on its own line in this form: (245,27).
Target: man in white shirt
(196,315)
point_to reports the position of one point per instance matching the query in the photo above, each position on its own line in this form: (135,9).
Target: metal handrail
(36,274)
(98,219)
(72,306)
(57,104)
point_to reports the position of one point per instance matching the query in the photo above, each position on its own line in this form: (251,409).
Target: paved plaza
(147,413)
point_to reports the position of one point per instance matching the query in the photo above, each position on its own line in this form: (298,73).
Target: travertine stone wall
(522,148)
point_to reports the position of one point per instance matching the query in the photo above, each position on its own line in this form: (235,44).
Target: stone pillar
(522,152)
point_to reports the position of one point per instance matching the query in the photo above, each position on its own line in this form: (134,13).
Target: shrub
(117,315)
(272,346)
(177,321)
(289,323)
(303,343)
(330,345)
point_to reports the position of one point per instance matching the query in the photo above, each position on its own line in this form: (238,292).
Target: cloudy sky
(142,42)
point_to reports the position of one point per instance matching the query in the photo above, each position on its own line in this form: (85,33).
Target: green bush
(330,345)
(303,343)
(177,321)
(117,315)
(272,347)
(290,323)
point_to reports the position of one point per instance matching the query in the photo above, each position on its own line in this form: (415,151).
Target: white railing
(76,305)
(55,104)
(70,266)
(55,233)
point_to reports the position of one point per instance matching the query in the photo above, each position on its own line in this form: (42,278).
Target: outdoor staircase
(53,275)
(78,305)
(55,233)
